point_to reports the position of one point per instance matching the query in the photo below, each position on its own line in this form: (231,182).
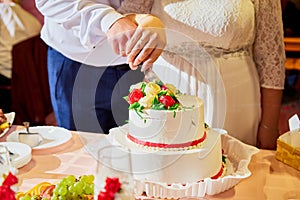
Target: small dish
(52,136)
(21,153)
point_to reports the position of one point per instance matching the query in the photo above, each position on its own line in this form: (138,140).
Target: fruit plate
(10,118)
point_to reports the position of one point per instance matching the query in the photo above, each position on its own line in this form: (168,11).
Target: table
(270,179)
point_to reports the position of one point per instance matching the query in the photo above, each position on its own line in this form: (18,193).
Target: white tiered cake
(169,144)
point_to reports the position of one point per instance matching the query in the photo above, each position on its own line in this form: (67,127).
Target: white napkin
(294,123)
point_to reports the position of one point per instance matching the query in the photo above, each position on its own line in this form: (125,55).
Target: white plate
(57,135)
(22,153)
(10,118)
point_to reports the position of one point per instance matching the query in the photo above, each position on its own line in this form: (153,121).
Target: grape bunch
(69,188)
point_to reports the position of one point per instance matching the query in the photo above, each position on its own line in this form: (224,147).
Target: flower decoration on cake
(5,189)
(112,186)
(150,95)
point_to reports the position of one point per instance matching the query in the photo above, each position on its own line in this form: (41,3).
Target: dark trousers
(88,98)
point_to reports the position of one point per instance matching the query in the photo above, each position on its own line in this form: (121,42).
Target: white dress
(224,51)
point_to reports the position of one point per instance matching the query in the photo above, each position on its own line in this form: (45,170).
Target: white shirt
(16,25)
(78,29)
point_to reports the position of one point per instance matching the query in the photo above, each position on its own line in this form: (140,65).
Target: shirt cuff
(109,19)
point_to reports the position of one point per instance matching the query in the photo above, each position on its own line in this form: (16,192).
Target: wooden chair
(29,85)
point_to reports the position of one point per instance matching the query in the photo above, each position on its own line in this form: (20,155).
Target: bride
(231,54)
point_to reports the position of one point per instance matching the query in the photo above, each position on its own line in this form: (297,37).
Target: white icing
(170,127)
(172,166)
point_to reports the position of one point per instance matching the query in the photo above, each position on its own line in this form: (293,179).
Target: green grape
(72,189)
(87,178)
(62,191)
(70,179)
(88,189)
(62,198)
(78,187)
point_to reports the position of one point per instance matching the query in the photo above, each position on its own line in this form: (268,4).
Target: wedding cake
(167,137)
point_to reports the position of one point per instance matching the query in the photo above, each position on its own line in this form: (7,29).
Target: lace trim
(202,51)
(201,14)
(269,53)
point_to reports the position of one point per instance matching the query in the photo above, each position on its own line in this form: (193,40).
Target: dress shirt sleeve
(269,52)
(88,20)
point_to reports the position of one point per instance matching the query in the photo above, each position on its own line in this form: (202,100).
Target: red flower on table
(112,186)
(135,95)
(5,191)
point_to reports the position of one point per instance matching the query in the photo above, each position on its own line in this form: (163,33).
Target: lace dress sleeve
(269,52)
(136,6)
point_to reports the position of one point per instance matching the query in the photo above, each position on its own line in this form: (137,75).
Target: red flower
(103,195)
(5,191)
(166,100)
(112,185)
(135,95)
(10,180)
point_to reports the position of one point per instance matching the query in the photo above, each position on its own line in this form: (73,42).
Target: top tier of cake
(180,128)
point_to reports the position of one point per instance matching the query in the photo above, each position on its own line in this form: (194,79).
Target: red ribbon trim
(161,145)
(219,174)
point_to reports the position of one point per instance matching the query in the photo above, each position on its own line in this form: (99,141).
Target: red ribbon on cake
(162,145)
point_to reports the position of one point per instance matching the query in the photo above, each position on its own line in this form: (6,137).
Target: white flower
(152,89)
(147,101)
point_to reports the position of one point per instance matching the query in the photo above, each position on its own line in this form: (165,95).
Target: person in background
(16,25)
(29,5)
(89,63)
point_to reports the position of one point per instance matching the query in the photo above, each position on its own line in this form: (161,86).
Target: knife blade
(151,76)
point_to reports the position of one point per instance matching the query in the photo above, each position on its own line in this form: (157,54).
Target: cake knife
(151,76)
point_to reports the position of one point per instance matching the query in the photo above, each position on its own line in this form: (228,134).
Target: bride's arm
(269,55)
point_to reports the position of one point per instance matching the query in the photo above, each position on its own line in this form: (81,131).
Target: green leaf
(155,101)
(174,107)
(134,105)
(143,87)
(162,92)
(158,106)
